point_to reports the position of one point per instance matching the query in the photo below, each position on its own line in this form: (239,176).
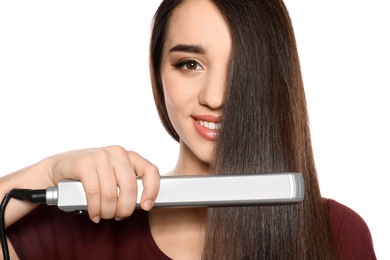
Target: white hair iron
(197,191)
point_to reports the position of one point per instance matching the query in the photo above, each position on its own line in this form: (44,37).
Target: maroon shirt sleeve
(49,233)
(351,234)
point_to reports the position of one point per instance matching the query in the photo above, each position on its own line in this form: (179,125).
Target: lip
(206,133)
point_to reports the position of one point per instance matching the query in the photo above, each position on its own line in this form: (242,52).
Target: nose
(212,93)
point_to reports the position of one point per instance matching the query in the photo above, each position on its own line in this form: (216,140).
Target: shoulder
(351,234)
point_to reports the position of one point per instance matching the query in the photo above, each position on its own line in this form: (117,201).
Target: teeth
(209,125)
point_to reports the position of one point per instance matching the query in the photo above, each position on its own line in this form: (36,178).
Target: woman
(227,85)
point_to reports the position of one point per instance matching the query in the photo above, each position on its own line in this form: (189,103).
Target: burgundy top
(49,233)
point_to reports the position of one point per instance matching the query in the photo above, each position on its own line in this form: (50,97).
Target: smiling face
(193,73)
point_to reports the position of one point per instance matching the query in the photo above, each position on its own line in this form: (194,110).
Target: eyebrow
(188,48)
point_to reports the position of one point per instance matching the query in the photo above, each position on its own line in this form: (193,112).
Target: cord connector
(34,196)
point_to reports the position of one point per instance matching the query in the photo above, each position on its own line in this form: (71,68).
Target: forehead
(198,22)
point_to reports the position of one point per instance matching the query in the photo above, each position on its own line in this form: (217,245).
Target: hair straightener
(191,191)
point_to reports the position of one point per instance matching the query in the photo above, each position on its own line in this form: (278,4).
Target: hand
(102,171)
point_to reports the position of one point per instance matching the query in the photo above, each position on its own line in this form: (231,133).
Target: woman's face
(194,72)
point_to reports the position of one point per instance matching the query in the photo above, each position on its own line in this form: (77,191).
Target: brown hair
(264,129)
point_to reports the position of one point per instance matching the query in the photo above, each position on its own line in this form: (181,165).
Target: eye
(190,65)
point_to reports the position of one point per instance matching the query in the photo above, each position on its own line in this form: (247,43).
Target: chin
(205,157)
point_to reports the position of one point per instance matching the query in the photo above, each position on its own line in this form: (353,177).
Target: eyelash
(183,64)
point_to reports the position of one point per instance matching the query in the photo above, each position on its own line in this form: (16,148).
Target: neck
(189,164)
(179,232)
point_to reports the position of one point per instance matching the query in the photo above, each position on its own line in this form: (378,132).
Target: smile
(209,125)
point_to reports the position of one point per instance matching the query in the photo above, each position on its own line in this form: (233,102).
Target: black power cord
(34,196)
(4,245)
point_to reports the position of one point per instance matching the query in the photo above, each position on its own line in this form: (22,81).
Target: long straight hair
(264,129)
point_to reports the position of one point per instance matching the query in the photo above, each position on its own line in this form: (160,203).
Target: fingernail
(148,205)
(118,219)
(96,219)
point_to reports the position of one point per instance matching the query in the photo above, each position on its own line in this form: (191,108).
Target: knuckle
(110,196)
(93,193)
(129,187)
(100,156)
(133,154)
(151,168)
(116,150)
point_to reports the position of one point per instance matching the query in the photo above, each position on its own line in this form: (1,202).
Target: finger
(127,183)
(108,191)
(92,191)
(150,179)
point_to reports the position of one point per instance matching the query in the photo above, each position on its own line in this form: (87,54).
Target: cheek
(179,94)
(174,104)
(172,97)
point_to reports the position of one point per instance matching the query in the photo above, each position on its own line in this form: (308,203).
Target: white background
(74,74)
